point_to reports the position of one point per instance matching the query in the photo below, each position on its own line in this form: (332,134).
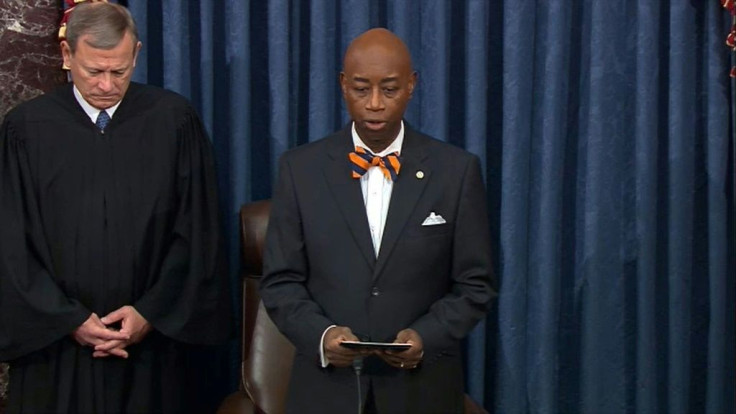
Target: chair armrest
(237,403)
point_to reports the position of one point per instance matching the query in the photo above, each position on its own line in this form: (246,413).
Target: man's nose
(105,82)
(375,102)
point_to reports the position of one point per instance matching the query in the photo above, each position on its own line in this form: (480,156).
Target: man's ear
(412,82)
(66,53)
(135,53)
(342,81)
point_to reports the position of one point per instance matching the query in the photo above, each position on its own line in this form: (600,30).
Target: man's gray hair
(105,23)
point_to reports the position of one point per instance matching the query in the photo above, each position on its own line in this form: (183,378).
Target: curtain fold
(606,131)
(646,125)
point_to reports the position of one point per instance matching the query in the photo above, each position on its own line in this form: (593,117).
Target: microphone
(358,368)
(358,365)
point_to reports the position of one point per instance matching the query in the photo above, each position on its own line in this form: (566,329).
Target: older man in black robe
(109,249)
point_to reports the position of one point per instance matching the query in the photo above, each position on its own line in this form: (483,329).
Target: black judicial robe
(91,222)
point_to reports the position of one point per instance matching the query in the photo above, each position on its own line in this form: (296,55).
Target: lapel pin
(420,174)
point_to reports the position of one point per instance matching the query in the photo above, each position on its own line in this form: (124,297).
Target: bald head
(377,82)
(378,43)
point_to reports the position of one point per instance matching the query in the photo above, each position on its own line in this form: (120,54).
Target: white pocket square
(433,220)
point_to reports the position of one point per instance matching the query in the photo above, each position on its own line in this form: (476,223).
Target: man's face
(102,76)
(377,83)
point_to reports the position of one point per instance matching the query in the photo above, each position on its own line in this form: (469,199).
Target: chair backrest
(267,354)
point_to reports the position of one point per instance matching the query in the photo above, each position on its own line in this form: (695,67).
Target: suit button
(375,291)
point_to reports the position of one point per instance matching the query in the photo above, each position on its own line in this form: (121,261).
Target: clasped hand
(97,332)
(341,356)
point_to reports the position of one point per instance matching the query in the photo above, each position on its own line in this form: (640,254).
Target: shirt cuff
(322,357)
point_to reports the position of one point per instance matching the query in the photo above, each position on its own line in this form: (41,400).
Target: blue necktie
(102,120)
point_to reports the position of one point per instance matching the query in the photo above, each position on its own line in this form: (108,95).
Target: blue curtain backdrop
(606,129)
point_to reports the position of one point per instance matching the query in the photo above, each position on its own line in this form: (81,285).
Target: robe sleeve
(190,300)
(34,311)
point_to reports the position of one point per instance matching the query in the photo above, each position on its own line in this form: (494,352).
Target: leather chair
(266,354)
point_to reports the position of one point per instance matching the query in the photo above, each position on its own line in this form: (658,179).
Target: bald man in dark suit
(378,233)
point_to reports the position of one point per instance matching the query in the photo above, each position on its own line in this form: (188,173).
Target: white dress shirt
(377,189)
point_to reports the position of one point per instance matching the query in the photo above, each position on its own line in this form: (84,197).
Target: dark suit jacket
(320,269)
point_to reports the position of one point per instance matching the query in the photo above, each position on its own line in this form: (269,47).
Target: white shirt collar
(395,146)
(90,110)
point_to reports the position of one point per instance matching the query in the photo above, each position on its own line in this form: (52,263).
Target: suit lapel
(348,194)
(405,194)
